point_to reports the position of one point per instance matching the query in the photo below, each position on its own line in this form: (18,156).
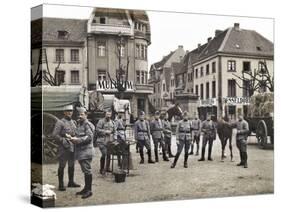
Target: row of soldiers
(187,135)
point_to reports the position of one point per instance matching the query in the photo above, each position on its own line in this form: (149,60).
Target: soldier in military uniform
(121,138)
(142,136)
(156,128)
(106,134)
(167,129)
(196,130)
(83,142)
(241,140)
(183,135)
(209,130)
(64,128)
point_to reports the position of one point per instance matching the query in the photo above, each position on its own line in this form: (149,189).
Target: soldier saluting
(156,127)
(209,130)
(183,134)
(142,136)
(63,129)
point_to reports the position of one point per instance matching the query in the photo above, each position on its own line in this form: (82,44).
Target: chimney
(236,26)
(217,32)
(209,39)
(198,45)
(180,46)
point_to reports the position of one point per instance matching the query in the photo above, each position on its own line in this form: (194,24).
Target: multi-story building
(162,77)
(92,51)
(229,54)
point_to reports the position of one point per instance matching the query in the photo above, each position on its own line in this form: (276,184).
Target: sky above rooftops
(169,30)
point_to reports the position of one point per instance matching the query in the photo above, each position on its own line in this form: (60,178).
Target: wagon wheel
(261,134)
(42,140)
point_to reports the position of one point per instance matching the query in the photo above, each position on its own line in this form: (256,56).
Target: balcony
(144,88)
(110,29)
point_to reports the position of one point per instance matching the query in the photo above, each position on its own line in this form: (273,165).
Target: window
(201,71)
(43,55)
(137,51)
(207,69)
(142,51)
(164,87)
(59,55)
(101,48)
(214,89)
(231,65)
(145,77)
(122,50)
(261,67)
(246,88)
(213,67)
(62,34)
(138,77)
(246,66)
(101,75)
(196,90)
(74,55)
(202,91)
(75,77)
(207,90)
(196,73)
(102,20)
(59,77)
(142,77)
(231,88)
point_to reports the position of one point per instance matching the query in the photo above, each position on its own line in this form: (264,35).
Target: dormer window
(62,34)
(258,48)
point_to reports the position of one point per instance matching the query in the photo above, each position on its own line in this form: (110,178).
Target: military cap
(82,110)
(157,113)
(142,113)
(68,107)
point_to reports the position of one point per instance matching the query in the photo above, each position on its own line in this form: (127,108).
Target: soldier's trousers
(66,157)
(242,147)
(157,142)
(168,144)
(183,143)
(103,150)
(85,165)
(207,140)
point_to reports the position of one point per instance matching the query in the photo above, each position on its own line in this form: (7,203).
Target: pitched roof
(47,29)
(162,62)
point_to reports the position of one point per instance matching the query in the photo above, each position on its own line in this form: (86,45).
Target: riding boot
(202,154)
(191,152)
(149,156)
(102,164)
(85,186)
(71,182)
(170,151)
(60,176)
(210,153)
(197,149)
(175,161)
(107,165)
(141,156)
(165,158)
(88,186)
(241,159)
(156,155)
(245,159)
(185,160)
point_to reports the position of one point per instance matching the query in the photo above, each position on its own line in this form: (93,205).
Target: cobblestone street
(156,182)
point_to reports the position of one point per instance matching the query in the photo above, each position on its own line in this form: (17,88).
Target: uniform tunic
(183,134)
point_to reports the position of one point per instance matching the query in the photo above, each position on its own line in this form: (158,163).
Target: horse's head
(174,111)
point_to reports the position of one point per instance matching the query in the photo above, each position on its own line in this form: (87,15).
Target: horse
(174,111)
(224,130)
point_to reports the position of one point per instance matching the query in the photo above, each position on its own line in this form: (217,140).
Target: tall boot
(107,165)
(156,154)
(170,151)
(88,183)
(85,186)
(71,182)
(175,161)
(197,149)
(202,154)
(102,164)
(191,152)
(165,158)
(149,156)
(141,156)
(60,177)
(185,160)
(210,153)
(241,159)
(245,159)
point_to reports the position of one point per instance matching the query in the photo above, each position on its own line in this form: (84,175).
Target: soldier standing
(83,142)
(167,129)
(156,127)
(183,134)
(106,134)
(64,128)
(142,136)
(121,138)
(209,130)
(196,130)
(241,140)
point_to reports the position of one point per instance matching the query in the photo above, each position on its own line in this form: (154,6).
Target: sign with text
(208,102)
(111,85)
(236,100)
